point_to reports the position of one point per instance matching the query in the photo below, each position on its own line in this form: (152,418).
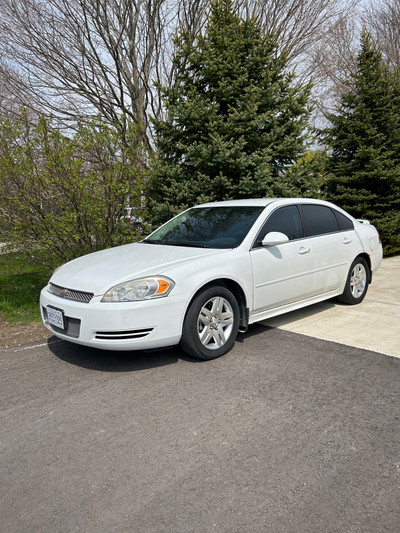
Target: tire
(357,282)
(211,324)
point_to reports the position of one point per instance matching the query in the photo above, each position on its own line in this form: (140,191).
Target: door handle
(346,240)
(303,250)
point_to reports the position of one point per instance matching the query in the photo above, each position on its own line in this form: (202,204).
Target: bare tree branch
(382,20)
(75,59)
(333,60)
(78,58)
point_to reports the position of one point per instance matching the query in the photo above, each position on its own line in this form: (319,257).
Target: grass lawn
(20,284)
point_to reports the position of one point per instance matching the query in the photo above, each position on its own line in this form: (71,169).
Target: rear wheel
(211,324)
(356,283)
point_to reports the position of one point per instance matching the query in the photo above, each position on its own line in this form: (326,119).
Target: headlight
(139,289)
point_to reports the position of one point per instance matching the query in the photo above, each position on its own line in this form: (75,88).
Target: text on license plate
(55,317)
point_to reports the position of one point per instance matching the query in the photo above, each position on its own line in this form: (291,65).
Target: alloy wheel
(358,280)
(215,323)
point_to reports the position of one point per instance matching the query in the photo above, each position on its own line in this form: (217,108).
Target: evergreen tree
(235,120)
(365,141)
(306,178)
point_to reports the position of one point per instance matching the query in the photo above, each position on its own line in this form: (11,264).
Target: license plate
(55,317)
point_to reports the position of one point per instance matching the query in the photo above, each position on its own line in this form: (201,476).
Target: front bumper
(118,326)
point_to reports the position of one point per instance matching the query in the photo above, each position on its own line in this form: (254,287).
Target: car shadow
(111,361)
(254,329)
(131,361)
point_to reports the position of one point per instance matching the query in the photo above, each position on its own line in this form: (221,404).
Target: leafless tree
(7,96)
(317,37)
(80,57)
(333,60)
(382,20)
(301,24)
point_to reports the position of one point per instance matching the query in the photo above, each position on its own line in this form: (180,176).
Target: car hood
(100,271)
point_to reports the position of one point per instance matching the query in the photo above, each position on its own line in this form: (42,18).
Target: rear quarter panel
(369,242)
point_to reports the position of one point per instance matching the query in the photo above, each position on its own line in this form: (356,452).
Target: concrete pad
(373,325)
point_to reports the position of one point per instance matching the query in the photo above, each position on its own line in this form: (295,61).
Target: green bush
(64,196)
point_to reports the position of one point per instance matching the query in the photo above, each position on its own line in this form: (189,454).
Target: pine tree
(235,122)
(365,141)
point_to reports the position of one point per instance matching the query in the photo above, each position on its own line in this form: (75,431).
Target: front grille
(72,325)
(123,335)
(70,294)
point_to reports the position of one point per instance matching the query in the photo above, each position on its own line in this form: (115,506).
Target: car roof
(261,202)
(264,202)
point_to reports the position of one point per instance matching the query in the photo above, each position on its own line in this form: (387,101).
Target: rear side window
(344,222)
(286,220)
(319,219)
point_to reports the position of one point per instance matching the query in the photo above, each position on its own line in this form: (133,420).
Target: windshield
(207,227)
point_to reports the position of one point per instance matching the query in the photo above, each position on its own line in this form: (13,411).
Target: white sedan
(210,272)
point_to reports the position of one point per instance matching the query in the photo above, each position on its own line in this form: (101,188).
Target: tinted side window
(319,219)
(286,220)
(344,222)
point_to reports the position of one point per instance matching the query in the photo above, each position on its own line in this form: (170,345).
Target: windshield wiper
(188,244)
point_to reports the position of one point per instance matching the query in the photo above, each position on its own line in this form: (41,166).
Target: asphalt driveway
(286,434)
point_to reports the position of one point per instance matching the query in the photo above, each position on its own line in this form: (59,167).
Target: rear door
(284,273)
(331,236)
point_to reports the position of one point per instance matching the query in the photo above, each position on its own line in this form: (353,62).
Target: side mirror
(273,238)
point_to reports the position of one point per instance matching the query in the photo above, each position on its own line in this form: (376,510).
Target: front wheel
(357,282)
(211,324)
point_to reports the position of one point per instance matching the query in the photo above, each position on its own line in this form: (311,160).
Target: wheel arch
(367,258)
(236,290)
